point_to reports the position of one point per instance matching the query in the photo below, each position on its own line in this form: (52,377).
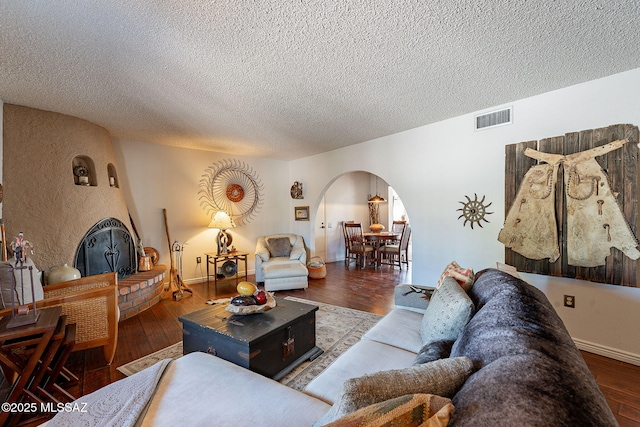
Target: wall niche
(84,171)
(113,176)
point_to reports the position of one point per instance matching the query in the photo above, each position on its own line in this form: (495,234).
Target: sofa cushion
(213,388)
(434,350)
(279,246)
(409,410)
(449,310)
(376,356)
(441,377)
(464,276)
(399,328)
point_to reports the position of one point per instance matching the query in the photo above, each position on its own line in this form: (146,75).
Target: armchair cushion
(263,253)
(279,246)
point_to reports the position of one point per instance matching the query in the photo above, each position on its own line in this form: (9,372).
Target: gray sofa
(513,363)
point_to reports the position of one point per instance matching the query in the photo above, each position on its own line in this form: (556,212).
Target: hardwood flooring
(368,290)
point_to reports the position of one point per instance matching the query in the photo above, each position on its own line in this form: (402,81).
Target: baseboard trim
(609,352)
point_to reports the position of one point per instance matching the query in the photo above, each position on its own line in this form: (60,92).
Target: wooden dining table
(377,239)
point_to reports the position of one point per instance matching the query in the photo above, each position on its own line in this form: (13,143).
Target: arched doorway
(346,198)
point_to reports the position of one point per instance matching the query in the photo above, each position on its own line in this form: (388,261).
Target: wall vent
(494,118)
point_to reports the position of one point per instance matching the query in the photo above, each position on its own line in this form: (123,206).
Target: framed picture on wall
(301,213)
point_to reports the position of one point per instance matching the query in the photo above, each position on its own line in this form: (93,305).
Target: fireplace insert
(107,247)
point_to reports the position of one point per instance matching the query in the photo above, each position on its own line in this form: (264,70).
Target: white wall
(434,167)
(160,177)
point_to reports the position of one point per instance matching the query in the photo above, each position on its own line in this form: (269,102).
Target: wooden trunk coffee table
(271,343)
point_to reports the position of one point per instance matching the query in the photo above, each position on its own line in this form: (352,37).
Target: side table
(217,261)
(38,335)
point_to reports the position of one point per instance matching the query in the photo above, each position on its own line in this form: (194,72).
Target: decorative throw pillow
(448,312)
(434,350)
(464,276)
(279,246)
(442,377)
(425,410)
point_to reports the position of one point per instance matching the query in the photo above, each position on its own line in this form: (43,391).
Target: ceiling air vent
(494,118)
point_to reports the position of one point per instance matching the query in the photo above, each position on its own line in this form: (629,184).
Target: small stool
(279,277)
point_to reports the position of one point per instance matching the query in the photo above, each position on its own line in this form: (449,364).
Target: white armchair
(281,262)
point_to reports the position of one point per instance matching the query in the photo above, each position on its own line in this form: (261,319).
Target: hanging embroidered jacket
(530,227)
(595,222)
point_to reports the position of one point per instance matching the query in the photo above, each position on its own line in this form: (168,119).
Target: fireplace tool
(177,250)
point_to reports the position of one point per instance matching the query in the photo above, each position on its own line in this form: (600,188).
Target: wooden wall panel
(517,165)
(621,167)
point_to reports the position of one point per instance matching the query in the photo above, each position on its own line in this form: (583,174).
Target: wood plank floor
(368,290)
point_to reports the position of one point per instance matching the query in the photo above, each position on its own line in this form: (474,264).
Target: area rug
(337,329)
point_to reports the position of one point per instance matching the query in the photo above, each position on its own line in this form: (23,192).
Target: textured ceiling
(286,79)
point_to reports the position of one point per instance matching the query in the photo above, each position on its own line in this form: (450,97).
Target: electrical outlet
(198,260)
(570,301)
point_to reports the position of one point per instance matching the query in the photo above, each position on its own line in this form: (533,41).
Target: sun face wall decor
(232,186)
(474,211)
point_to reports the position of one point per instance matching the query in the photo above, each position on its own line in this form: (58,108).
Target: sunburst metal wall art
(232,186)
(474,211)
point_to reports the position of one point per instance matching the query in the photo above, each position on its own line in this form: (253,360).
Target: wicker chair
(92,304)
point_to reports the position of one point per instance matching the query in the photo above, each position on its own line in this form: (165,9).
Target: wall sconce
(222,221)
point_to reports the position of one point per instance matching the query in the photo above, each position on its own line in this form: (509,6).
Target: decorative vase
(62,273)
(144,263)
(376,228)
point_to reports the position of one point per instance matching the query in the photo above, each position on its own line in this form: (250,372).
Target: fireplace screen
(107,247)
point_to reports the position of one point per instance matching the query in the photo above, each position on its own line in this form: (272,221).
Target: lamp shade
(222,221)
(376,198)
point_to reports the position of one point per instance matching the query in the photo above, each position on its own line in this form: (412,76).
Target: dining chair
(347,255)
(393,253)
(396,227)
(358,248)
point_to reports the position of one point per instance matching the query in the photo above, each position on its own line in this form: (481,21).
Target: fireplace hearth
(107,247)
